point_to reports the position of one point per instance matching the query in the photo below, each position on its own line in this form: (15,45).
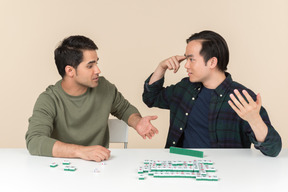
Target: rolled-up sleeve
(272,144)
(121,108)
(38,137)
(155,95)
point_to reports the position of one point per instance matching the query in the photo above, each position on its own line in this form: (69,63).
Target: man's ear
(213,62)
(69,71)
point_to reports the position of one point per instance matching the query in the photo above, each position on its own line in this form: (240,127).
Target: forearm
(65,150)
(158,74)
(95,153)
(259,128)
(134,119)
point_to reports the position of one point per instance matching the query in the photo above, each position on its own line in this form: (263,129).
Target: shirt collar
(224,86)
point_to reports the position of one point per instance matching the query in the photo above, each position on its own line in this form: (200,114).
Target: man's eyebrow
(93,61)
(187,56)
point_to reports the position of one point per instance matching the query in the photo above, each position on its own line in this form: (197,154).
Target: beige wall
(133,37)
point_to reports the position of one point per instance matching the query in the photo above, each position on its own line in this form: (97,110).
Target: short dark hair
(213,45)
(70,52)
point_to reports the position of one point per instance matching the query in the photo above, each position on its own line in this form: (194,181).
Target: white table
(238,170)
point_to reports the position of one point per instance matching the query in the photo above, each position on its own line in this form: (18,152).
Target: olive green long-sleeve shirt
(81,120)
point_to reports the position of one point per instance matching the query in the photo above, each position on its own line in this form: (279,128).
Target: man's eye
(89,66)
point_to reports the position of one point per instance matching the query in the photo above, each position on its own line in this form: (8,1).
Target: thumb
(153,117)
(259,100)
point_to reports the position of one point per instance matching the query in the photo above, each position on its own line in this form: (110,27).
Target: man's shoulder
(185,80)
(51,89)
(240,87)
(51,92)
(237,85)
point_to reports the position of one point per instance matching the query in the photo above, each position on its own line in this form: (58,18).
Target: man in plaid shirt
(208,109)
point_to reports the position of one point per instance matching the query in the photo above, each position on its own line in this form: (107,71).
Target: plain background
(133,36)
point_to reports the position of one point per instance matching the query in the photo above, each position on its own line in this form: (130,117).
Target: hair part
(213,45)
(70,52)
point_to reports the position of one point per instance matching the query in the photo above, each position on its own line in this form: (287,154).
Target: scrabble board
(201,170)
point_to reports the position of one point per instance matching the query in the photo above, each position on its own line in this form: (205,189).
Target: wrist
(134,120)
(259,128)
(77,151)
(162,67)
(255,122)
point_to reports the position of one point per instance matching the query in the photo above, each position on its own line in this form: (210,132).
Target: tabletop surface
(237,170)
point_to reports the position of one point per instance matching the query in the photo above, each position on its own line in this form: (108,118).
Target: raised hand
(172,63)
(250,111)
(144,127)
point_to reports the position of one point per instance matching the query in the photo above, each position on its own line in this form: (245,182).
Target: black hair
(213,45)
(70,52)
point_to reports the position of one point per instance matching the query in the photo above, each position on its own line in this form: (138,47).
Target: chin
(192,80)
(94,85)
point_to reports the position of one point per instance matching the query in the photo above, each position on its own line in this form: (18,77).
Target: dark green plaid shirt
(226,128)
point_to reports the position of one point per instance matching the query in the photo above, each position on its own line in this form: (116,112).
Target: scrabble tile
(54,164)
(66,162)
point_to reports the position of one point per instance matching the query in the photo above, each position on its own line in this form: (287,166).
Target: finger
(180,58)
(97,159)
(107,155)
(259,100)
(149,135)
(248,97)
(169,65)
(236,102)
(176,64)
(100,156)
(234,107)
(152,117)
(143,136)
(155,131)
(240,98)
(104,153)
(172,64)
(103,149)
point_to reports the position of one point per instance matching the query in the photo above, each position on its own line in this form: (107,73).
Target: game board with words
(201,170)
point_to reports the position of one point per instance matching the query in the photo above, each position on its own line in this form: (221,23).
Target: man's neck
(72,89)
(215,79)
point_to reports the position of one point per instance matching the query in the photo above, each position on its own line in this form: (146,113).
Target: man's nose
(187,66)
(97,70)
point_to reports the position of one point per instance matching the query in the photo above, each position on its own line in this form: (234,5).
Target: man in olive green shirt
(70,119)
